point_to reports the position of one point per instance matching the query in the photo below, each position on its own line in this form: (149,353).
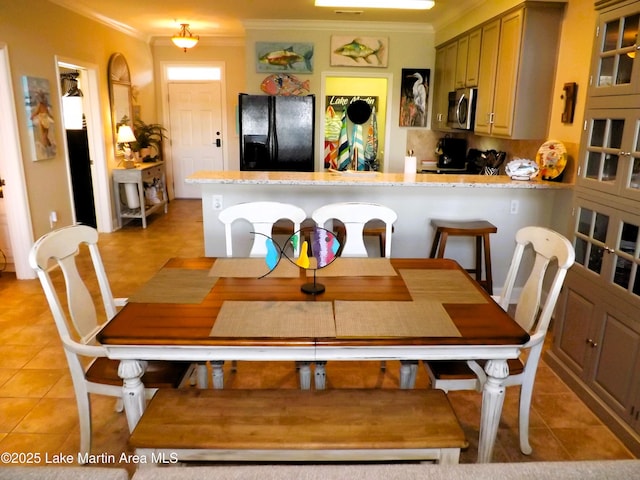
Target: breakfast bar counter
(416,198)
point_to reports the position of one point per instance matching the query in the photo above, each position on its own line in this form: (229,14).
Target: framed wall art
(284,57)
(350,51)
(40,121)
(414,97)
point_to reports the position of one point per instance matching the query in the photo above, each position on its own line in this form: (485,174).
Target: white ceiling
(161,18)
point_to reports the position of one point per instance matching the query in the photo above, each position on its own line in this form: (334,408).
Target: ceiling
(162,18)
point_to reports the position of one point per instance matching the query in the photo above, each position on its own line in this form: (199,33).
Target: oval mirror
(120,93)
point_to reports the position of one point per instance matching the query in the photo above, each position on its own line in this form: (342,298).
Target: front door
(195,116)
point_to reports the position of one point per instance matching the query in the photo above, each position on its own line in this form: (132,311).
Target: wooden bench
(299,425)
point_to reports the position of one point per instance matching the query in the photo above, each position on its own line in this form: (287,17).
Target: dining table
(223,309)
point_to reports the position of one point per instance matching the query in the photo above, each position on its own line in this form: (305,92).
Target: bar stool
(480,229)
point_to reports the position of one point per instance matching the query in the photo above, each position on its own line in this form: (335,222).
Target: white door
(195,116)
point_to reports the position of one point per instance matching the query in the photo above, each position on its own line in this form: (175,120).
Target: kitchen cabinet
(143,191)
(597,335)
(615,62)
(468,60)
(517,64)
(446,57)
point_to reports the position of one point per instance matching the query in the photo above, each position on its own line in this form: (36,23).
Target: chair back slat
(354,216)
(262,216)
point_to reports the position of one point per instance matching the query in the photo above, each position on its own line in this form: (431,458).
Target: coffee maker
(452,153)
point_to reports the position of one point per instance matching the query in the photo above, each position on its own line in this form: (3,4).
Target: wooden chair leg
(434,245)
(487,263)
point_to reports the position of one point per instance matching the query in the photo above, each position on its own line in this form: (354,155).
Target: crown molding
(337,26)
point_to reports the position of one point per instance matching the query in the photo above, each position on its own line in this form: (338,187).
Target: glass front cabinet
(596,342)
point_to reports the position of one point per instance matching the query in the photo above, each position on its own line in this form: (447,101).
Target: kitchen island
(417,198)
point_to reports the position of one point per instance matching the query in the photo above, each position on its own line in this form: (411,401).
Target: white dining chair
(77,319)
(262,216)
(532,313)
(266,219)
(354,216)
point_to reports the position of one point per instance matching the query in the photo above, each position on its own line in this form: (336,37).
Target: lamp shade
(125,134)
(185,39)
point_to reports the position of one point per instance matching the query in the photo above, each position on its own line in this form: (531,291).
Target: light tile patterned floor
(37,406)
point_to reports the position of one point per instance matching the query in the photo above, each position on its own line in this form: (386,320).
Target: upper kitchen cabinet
(446,58)
(517,64)
(468,60)
(615,61)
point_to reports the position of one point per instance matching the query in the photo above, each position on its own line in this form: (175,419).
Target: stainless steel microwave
(462,108)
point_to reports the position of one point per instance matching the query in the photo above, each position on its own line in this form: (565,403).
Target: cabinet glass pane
(581,250)
(625,67)
(611,35)
(610,168)
(595,259)
(593,165)
(636,283)
(597,133)
(584,222)
(626,265)
(630,31)
(601,226)
(605,135)
(606,72)
(635,174)
(615,138)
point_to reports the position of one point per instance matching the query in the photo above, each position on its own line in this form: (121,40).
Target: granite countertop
(368,179)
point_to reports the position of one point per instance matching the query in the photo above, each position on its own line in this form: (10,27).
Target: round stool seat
(480,229)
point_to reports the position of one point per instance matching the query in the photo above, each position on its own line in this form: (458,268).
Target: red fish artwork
(284,84)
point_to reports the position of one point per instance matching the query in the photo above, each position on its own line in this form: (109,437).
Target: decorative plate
(551,158)
(522,169)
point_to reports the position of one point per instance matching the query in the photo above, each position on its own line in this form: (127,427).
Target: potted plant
(148,139)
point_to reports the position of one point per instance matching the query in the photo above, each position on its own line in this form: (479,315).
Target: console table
(134,179)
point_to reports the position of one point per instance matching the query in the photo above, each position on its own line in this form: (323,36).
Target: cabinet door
(615,61)
(507,73)
(461,62)
(610,152)
(444,83)
(473,58)
(487,76)
(617,345)
(573,337)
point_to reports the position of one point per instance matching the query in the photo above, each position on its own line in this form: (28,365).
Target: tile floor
(38,411)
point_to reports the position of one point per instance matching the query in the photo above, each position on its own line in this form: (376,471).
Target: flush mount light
(399,4)
(184,38)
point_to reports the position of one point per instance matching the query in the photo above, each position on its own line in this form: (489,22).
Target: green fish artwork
(273,57)
(359,51)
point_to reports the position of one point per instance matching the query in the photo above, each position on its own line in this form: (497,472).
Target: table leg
(320,375)
(131,372)
(217,374)
(492,400)
(304,371)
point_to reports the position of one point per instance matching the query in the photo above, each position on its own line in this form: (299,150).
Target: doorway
(196,118)
(88,176)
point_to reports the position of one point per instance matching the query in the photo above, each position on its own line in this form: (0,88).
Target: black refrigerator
(277,132)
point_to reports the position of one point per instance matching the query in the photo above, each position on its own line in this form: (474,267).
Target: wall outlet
(515,206)
(216,202)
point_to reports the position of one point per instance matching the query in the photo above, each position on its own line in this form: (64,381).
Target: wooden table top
(190,324)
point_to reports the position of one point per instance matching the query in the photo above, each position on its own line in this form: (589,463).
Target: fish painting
(284,84)
(362,51)
(286,59)
(325,247)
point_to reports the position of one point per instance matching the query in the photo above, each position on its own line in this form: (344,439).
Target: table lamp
(125,136)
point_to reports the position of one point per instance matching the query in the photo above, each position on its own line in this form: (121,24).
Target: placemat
(274,319)
(444,286)
(356,267)
(252,268)
(393,319)
(175,285)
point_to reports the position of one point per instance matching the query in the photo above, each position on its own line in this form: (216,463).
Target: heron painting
(414,97)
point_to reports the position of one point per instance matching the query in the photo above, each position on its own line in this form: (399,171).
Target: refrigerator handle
(272,138)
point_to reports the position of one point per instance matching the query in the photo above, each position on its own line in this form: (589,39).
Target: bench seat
(299,425)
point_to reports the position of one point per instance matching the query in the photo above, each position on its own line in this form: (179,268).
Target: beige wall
(410,46)
(35,32)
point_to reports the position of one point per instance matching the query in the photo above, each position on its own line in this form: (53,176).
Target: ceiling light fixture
(397,4)
(184,38)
